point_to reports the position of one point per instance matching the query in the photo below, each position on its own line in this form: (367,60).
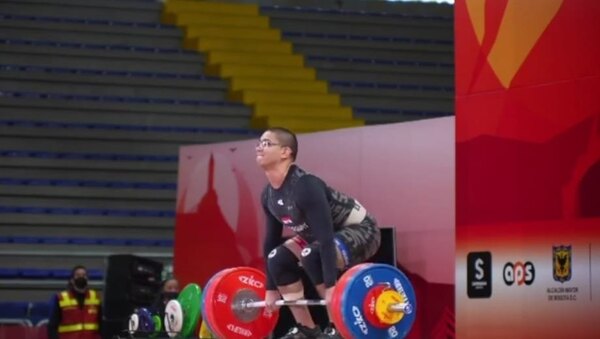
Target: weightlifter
(333,231)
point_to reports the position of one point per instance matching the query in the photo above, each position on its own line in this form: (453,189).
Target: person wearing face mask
(169,289)
(75,313)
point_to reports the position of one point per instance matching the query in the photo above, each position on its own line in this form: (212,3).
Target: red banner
(402,173)
(528,168)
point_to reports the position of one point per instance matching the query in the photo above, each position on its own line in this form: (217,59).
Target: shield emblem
(561,262)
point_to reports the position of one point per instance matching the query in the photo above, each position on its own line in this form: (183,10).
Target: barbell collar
(400,307)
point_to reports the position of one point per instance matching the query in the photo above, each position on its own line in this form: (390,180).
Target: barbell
(369,301)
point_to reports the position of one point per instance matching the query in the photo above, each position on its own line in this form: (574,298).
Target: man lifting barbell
(333,231)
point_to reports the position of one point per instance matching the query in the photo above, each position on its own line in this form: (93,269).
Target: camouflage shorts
(358,242)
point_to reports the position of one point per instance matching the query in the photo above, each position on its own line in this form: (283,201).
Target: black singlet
(310,208)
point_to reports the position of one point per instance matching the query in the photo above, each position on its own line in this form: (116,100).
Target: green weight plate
(189,298)
(157,325)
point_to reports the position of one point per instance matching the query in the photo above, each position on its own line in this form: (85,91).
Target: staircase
(262,69)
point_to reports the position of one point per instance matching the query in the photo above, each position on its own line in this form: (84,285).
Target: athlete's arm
(274,230)
(311,198)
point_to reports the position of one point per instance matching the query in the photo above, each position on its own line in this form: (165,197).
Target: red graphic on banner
(504,191)
(205,242)
(247,233)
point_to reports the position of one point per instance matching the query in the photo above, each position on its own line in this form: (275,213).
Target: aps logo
(518,272)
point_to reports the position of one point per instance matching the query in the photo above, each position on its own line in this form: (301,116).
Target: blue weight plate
(355,292)
(146,323)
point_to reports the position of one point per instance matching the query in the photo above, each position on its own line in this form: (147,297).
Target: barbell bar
(399,307)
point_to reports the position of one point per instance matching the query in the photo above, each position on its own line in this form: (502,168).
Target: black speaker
(130,281)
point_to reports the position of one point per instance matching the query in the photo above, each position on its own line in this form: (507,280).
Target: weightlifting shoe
(331,332)
(300,332)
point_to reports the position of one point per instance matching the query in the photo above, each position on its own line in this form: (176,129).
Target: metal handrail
(16,321)
(42,322)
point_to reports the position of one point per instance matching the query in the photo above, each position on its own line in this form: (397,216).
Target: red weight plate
(335,302)
(206,293)
(369,305)
(242,283)
(206,296)
(245,277)
(336,299)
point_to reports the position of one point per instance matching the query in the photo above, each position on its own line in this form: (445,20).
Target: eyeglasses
(266,143)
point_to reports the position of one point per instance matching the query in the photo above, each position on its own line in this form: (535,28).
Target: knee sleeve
(311,262)
(283,266)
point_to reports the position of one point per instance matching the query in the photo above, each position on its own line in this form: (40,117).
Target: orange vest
(76,322)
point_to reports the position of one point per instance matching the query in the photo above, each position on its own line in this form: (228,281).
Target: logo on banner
(562,271)
(518,272)
(479,274)
(561,263)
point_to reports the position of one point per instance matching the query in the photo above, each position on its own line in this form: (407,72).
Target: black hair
(164,282)
(286,138)
(75,268)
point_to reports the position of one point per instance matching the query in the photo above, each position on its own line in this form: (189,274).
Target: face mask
(80,283)
(169,295)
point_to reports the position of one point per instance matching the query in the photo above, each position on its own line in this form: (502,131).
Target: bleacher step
(229,70)
(39,34)
(74,9)
(187,6)
(238,45)
(117,78)
(304,125)
(191,18)
(301,111)
(256,83)
(221,111)
(248,58)
(227,32)
(253,97)
(95,58)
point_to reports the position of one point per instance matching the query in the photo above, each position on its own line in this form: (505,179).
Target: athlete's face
(269,151)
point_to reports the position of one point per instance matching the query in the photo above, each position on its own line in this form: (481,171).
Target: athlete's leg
(354,244)
(284,261)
